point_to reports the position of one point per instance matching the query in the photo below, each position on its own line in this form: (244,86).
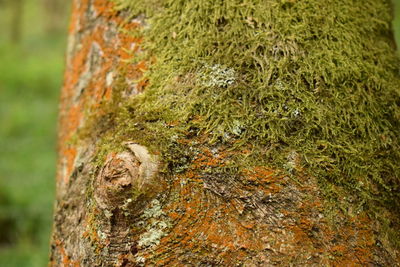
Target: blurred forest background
(32,47)
(32,44)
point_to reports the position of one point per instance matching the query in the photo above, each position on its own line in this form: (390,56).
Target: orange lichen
(66,260)
(200,224)
(266,179)
(110,55)
(207,159)
(142,84)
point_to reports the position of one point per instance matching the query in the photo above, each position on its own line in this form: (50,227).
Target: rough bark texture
(122,202)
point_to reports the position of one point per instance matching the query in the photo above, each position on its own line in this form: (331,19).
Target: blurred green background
(32,44)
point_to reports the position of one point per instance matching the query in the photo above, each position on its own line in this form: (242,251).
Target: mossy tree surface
(229,133)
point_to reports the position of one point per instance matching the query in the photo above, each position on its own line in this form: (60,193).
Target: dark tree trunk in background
(54,12)
(166,159)
(16,20)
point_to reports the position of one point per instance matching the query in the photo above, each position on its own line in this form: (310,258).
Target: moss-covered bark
(273,127)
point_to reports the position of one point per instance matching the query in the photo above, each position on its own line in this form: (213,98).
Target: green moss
(316,78)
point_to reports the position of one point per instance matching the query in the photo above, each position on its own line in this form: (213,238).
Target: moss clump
(319,78)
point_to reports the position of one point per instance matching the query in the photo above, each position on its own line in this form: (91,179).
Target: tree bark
(137,189)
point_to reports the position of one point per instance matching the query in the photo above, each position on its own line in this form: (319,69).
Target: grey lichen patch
(125,206)
(217,76)
(102,235)
(293,162)
(156,225)
(93,61)
(153,236)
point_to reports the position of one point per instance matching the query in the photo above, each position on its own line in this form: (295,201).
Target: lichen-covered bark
(96,58)
(188,135)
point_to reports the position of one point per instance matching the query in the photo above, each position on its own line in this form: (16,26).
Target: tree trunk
(229,133)
(16,20)
(54,14)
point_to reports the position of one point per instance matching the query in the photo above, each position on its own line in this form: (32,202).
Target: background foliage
(31,66)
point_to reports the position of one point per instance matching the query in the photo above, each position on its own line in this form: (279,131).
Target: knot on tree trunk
(127,178)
